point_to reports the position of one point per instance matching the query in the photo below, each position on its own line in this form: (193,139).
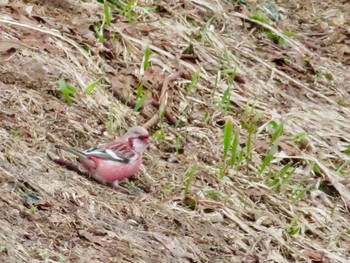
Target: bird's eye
(144,137)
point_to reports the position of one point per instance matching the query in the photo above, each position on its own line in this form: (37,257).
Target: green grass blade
(189,177)
(225,100)
(249,145)
(227,136)
(146,58)
(140,102)
(128,7)
(107,13)
(277,133)
(67,90)
(193,81)
(268,158)
(91,87)
(139,90)
(234,148)
(217,80)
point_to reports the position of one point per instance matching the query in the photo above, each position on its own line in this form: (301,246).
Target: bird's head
(138,138)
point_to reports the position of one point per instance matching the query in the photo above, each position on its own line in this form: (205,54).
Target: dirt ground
(261,64)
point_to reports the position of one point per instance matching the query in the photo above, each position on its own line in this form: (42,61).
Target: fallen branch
(163,101)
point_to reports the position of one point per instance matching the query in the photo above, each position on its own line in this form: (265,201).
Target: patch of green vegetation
(33,209)
(293,228)
(213,194)
(141,97)
(146,58)
(89,89)
(168,189)
(260,16)
(225,102)
(327,75)
(298,192)
(249,122)
(107,14)
(189,177)
(159,135)
(205,28)
(3,248)
(277,132)
(343,103)
(347,150)
(227,136)
(194,81)
(67,90)
(206,117)
(300,137)
(277,180)
(278,39)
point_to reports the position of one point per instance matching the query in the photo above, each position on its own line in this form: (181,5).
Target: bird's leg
(120,188)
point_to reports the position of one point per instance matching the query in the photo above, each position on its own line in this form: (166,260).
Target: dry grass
(50,214)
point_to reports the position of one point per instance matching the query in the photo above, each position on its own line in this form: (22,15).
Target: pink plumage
(114,162)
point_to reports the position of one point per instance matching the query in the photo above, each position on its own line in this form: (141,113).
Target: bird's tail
(70,150)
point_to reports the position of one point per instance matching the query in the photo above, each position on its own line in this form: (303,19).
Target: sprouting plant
(145,64)
(213,194)
(111,124)
(106,21)
(260,16)
(282,177)
(298,138)
(127,10)
(159,135)
(249,122)
(141,97)
(230,146)
(279,39)
(33,209)
(227,136)
(347,150)
(178,145)
(229,75)
(3,248)
(204,31)
(99,32)
(168,188)
(234,149)
(140,102)
(278,130)
(226,99)
(327,75)
(139,91)
(343,102)
(206,117)
(217,80)
(189,177)
(293,227)
(67,90)
(107,16)
(91,86)
(194,81)
(299,192)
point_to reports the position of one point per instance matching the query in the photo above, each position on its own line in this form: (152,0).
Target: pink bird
(113,162)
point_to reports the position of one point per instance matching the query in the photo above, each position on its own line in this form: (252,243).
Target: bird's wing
(71,150)
(110,154)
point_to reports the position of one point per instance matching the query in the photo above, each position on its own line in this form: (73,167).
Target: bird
(116,161)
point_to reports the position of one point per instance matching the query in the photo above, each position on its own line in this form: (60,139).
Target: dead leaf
(316,256)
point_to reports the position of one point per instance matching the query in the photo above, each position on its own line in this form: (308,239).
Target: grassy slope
(49,213)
